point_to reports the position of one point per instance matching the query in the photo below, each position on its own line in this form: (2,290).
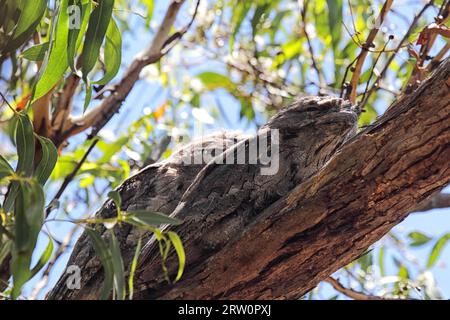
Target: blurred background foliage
(239,63)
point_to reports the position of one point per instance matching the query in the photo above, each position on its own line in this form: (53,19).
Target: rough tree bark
(324,220)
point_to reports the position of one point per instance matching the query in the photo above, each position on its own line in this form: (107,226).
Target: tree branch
(439,201)
(98,116)
(370,185)
(365,50)
(355,295)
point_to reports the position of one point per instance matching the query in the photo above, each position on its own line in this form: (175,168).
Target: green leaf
(36,53)
(88,97)
(5,249)
(113,53)
(418,239)
(150,7)
(133,268)
(117,263)
(98,24)
(240,11)
(55,63)
(178,245)
(259,16)
(45,257)
(30,16)
(29,217)
(25,145)
(381,260)
(25,151)
(151,218)
(5,168)
(115,196)
(48,160)
(335,20)
(75,36)
(437,249)
(105,257)
(213,80)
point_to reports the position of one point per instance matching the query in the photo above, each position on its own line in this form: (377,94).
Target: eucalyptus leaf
(105,256)
(437,250)
(36,53)
(98,24)
(30,16)
(178,245)
(117,263)
(48,160)
(151,218)
(56,63)
(113,53)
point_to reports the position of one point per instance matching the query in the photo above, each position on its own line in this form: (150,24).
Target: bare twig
(70,177)
(365,50)
(394,54)
(97,117)
(310,47)
(356,295)
(59,252)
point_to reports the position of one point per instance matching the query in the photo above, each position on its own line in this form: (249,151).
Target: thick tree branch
(370,185)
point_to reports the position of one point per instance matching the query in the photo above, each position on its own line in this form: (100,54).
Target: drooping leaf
(98,24)
(259,15)
(133,268)
(105,257)
(30,16)
(212,80)
(418,239)
(29,217)
(115,196)
(88,96)
(113,53)
(335,19)
(151,218)
(118,269)
(75,37)
(25,145)
(240,11)
(24,137)
(36,53)
(5,168)
(48,160)
(45,257)
(150,7)
(178,245)
(55,63)
(437,250)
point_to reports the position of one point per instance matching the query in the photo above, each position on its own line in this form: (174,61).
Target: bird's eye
(310,109)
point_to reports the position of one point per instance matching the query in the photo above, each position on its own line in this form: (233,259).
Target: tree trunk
(323,223)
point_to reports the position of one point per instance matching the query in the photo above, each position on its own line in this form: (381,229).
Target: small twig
(365,50)
(45,277)
(373,70)
(70,177)
(7,103)
(392,57)
(356,295)
(310,47)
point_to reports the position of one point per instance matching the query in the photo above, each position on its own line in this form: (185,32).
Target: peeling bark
(324,221)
